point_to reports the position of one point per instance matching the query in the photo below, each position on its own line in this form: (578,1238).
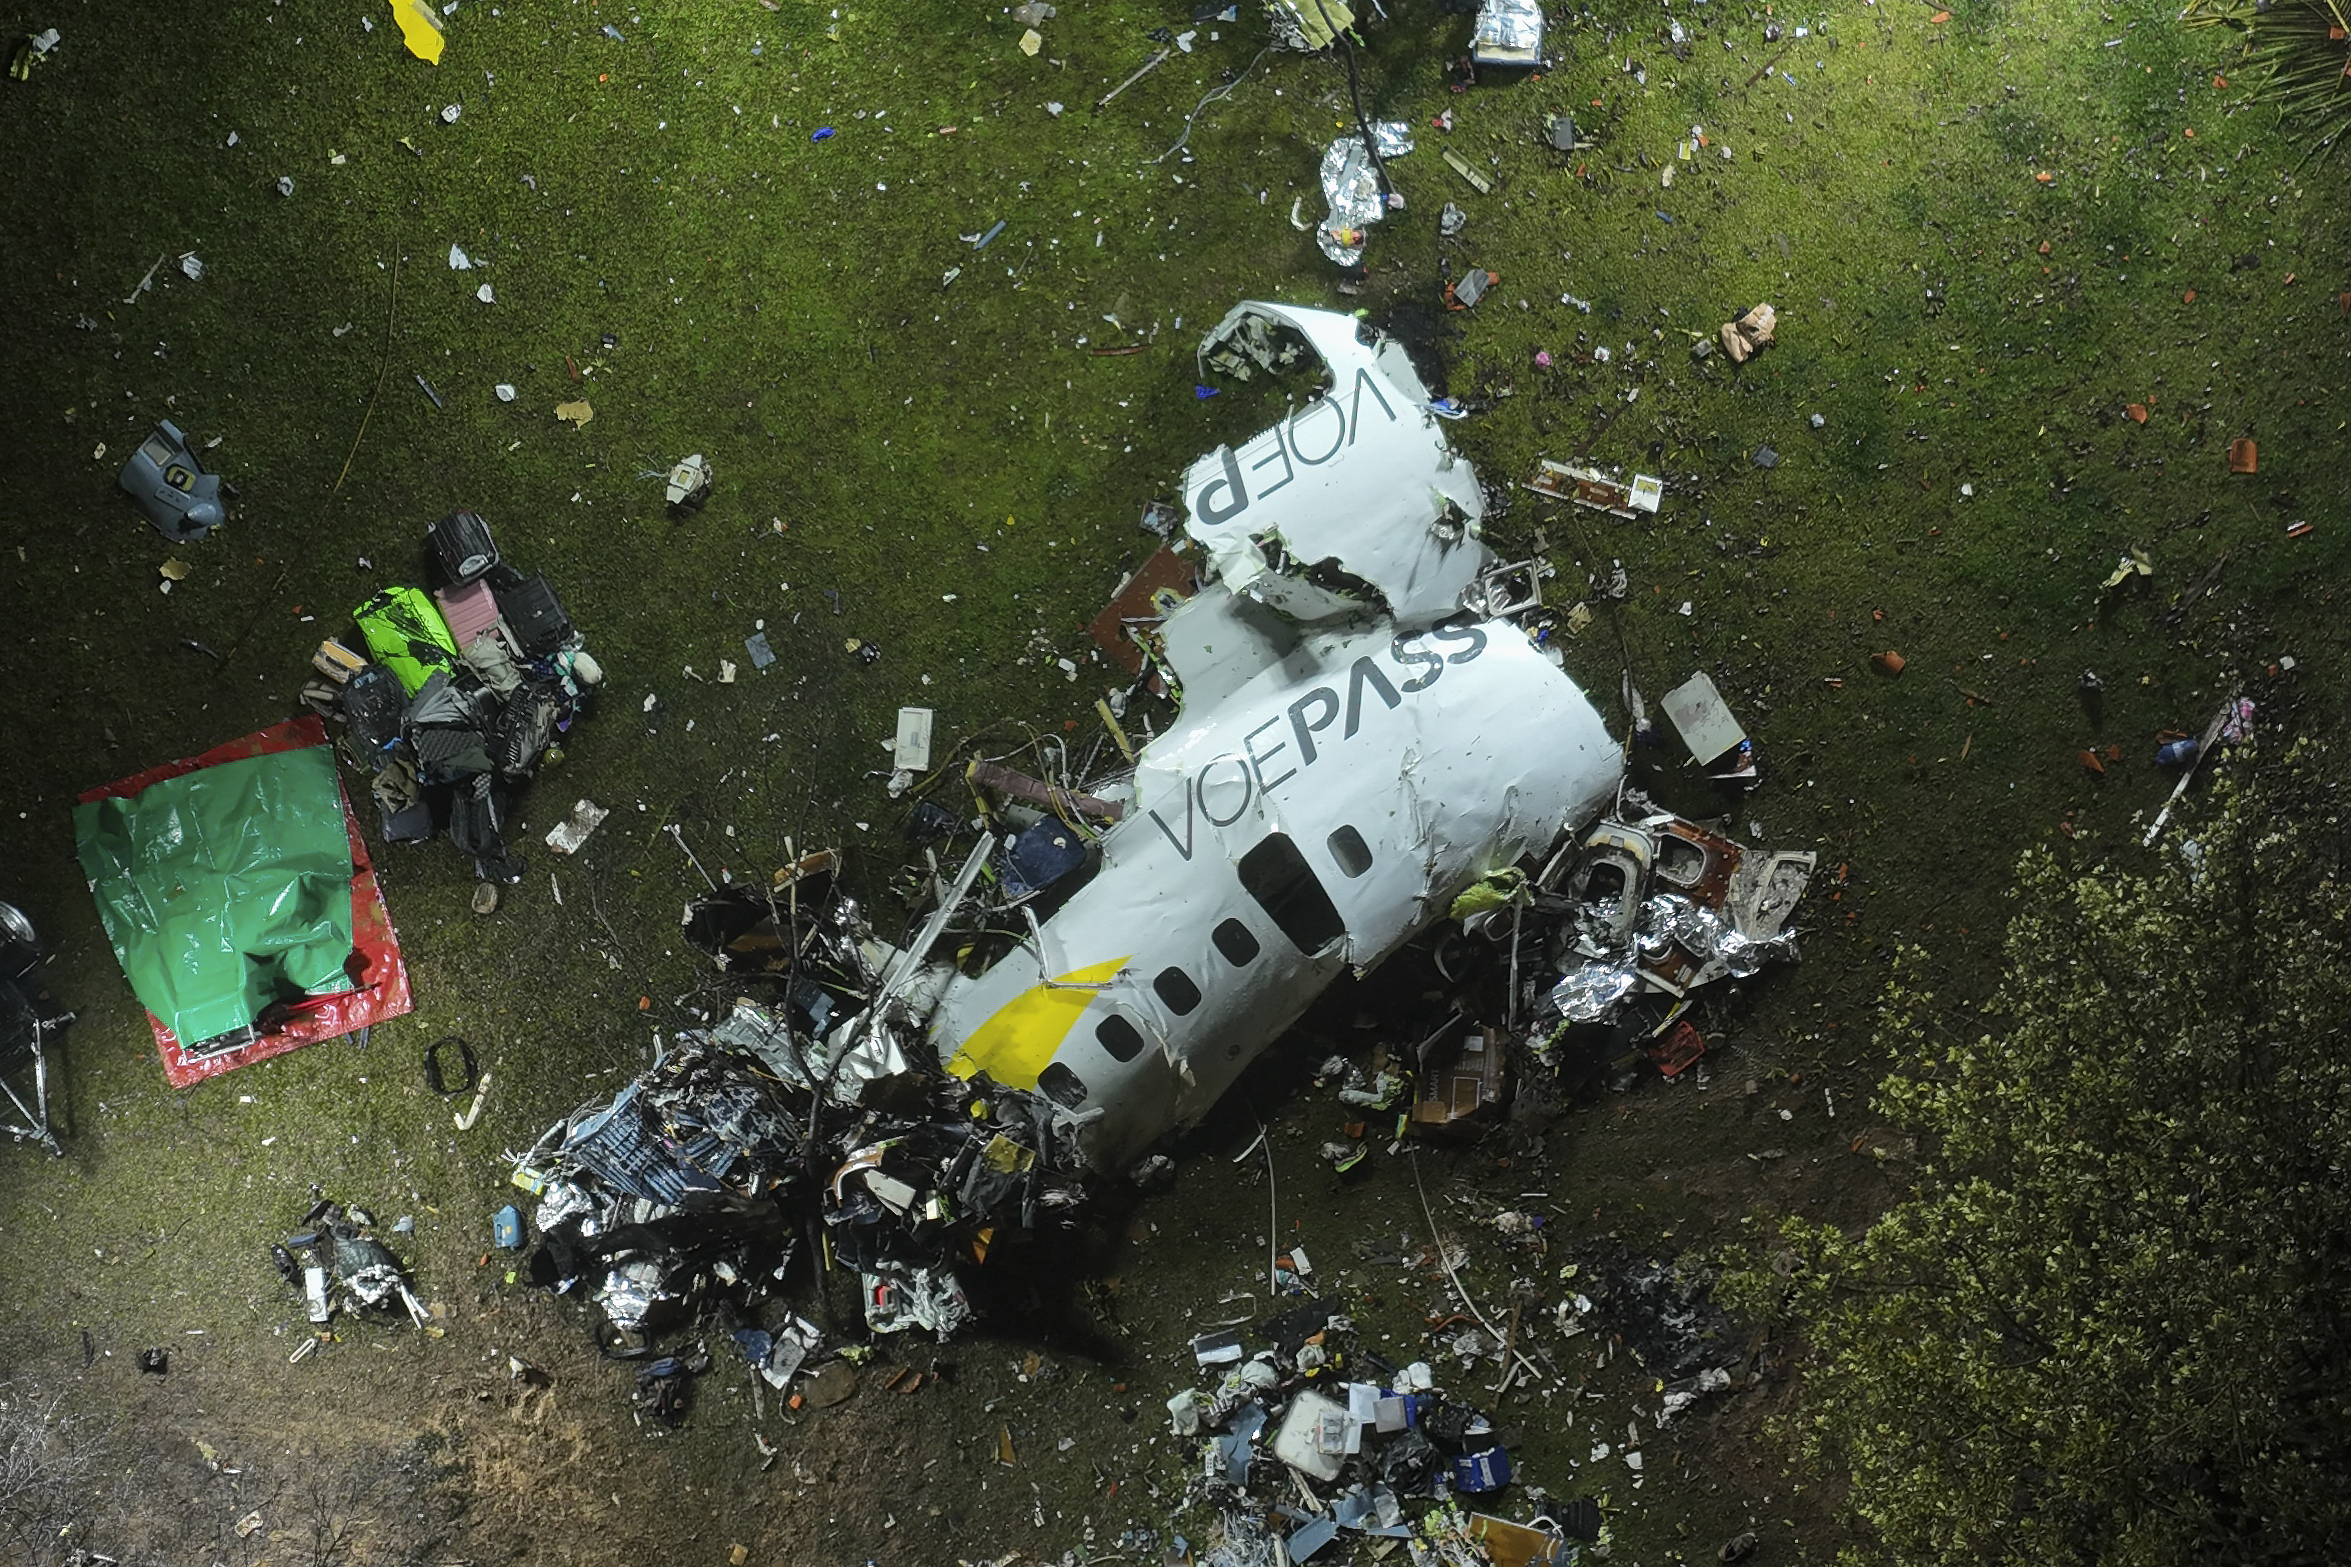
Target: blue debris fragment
(1482,1471)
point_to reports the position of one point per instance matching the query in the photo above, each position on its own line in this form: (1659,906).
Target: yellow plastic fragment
(578,413)
(420,29)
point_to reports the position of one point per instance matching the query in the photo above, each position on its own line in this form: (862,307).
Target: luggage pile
(463,694)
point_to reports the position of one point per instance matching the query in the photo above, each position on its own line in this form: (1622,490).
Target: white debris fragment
(566,836)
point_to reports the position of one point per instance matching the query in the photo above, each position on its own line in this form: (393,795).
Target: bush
(2109,1323)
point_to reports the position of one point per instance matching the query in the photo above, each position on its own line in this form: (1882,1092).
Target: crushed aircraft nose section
(1351,503)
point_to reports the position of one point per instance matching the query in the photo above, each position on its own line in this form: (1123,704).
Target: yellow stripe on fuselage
(1014,1045)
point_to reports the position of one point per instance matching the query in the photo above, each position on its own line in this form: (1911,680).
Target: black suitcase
(532,612)
(373,703)
(463,542)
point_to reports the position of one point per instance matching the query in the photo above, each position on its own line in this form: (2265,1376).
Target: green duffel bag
(406,634)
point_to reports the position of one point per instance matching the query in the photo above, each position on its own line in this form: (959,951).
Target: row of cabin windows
(1286,888)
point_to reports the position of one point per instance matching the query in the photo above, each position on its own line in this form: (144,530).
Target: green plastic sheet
(225,889)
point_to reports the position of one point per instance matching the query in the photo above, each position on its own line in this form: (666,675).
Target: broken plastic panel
(1591,488)
(1702,718)
(171,487)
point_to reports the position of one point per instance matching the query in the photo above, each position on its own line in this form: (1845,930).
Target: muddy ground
(1991,234)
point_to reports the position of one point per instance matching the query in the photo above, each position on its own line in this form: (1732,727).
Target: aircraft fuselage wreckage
(1367,733)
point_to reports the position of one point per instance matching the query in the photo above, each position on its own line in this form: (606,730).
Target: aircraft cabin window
(1175,987)
(1285,886)
(1232,938)
(1064,1087)
(1352,853)
(1120,1037)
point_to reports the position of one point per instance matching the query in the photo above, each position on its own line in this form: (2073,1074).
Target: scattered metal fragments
(26,1022)
(2231,725)
(571,834)
(1509,33)
(1351,185)
(1657,907)
(348,1270)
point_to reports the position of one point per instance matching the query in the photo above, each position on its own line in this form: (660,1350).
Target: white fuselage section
(1354,750)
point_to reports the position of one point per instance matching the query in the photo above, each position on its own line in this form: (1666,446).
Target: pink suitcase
(470,611)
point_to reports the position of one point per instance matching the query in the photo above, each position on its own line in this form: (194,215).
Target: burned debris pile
(1648,909)
(1315,1438)
(795,1118)
(340,1264)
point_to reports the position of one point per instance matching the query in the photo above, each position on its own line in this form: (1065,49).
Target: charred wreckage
(1375,743)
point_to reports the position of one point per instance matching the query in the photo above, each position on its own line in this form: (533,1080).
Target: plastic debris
(911,750)
(571,834)
(420,29)
(688,483)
